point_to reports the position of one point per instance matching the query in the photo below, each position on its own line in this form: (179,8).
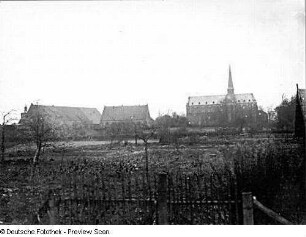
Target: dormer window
(249,100)
(243,100)
(206,102)
(192,103)
(199,103)
(213,102)
(238,101)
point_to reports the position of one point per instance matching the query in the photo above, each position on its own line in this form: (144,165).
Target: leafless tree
(6,118)
(41,130)
(134,125)
(145,133)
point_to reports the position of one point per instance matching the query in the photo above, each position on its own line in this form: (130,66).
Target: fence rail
(270,213)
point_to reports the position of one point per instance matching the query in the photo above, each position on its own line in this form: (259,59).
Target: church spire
(230,88)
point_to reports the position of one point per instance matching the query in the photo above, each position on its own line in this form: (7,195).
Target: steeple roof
(230,80)
(230,87)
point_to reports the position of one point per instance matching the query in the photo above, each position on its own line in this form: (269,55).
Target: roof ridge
(206,95)
(119,106)
(72,114)
(244,93)
(73,107)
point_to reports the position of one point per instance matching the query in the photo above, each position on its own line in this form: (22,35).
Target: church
(229,110)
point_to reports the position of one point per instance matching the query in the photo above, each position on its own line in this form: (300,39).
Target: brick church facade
(230,110)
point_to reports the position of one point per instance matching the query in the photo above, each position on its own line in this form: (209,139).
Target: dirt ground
(21,195)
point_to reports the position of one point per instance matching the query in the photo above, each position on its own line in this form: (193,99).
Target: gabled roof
(63,114)
(125,113)
(206,100)
(244,98)
(218,99)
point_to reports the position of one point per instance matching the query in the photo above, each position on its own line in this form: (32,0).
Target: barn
(137,114)
(63,115)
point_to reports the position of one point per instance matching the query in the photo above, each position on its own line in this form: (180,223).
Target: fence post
(247,207)
(52,212)
(162,208)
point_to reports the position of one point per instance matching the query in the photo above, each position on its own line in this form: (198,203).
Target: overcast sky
(92,54)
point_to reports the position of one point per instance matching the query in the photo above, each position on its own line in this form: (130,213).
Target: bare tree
(6,118)
(145,133)
(41,130)
(134,125)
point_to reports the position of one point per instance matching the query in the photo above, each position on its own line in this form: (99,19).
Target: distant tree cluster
(285,114)
(168,121)
(170,128)
(119,131)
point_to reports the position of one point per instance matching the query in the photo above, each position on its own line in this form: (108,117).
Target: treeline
(285,114)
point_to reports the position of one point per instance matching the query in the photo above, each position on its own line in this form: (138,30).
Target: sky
(97,53)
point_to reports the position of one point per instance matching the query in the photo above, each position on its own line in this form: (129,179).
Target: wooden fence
(250,202)
(163,199)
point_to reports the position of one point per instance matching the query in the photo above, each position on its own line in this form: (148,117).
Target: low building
(63,115)
(137,114)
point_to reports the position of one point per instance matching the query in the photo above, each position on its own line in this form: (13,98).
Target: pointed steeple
(230,87)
